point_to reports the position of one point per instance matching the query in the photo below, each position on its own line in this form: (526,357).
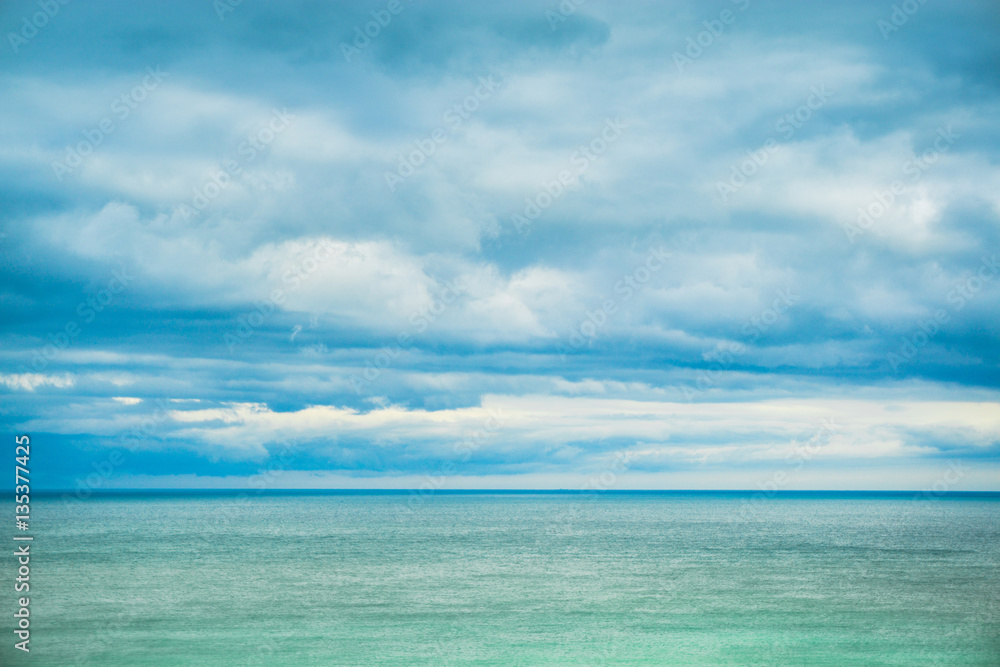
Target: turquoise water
(510,580)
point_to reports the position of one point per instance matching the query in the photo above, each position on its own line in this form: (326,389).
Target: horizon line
(889,493)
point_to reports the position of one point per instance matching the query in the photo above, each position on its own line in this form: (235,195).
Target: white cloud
(31,381)
(730,432)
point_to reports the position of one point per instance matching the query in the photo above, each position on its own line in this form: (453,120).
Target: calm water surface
(511,580)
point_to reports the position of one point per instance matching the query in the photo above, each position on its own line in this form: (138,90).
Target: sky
(690,245)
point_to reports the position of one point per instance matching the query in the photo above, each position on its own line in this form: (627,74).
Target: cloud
(281,285)
(31,381)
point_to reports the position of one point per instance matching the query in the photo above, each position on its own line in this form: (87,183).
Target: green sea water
(509,580)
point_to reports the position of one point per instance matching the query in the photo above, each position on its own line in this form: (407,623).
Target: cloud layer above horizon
(393,244)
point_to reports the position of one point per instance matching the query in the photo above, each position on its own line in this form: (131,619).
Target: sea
(508,578)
